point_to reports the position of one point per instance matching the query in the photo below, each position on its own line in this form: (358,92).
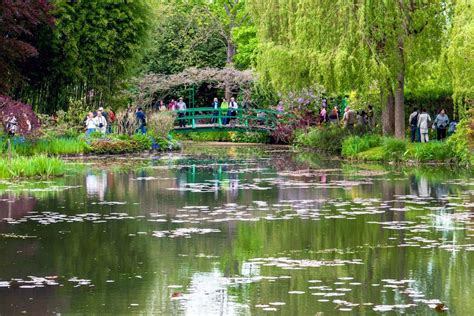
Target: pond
(218,230)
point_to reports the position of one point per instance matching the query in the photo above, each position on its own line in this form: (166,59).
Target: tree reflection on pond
(262,231)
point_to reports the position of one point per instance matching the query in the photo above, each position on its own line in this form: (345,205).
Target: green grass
(399,150)
(432,151)
(353,145)
(55,146)
(377,148)
(372,154)
(26,167)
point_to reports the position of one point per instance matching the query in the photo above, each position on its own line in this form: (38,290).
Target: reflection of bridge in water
(210,119)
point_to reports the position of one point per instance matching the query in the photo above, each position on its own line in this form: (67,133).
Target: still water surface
(238,231)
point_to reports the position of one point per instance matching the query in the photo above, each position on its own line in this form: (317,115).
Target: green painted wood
(246,119)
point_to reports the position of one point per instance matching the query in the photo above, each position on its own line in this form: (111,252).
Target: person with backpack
(413,122)
(441,124)
(423,124)
(349,118)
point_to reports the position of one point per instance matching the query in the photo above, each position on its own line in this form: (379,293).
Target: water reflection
(96,184)
(209,296)
(281,228)
(16,206)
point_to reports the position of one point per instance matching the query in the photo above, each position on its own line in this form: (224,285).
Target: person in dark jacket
(141,118)
(413,122)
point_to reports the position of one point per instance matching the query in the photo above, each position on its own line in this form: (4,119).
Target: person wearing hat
(181,107)
(105,115)
(100,122)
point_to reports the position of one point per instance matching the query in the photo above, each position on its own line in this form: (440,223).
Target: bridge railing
(249,118)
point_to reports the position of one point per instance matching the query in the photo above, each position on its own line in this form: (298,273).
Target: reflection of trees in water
(106,251)
(16,206)
(44,301)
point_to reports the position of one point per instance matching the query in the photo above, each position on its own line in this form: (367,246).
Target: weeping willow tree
(367,46)
(460,56)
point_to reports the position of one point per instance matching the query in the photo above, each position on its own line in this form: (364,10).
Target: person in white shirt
(233,106)
(181,108)
(424,121)
(100,123)
(90,123)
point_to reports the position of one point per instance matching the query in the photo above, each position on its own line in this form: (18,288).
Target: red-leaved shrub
(22,112)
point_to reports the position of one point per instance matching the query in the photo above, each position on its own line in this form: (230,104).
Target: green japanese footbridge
(210,119)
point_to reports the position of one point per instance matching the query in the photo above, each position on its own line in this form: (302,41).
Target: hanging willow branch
(158,86)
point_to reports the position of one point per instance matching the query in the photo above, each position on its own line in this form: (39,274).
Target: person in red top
(172,105)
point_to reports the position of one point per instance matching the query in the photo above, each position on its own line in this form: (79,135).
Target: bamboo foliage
(92,49)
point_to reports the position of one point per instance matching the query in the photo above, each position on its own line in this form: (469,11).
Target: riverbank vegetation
(81,145)
(40,166)
(373,147)
(318,54)
(227,136)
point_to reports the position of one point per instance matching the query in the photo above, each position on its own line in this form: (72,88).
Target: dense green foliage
(52,146)
(183,36)
(460,55)
(326,140)
(353,145)
(373,48)
(360,145)
(96,144)
(394,149)
(29,167)
(92,48)
(375,148)
(235,137)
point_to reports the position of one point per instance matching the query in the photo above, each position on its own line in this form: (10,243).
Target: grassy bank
(97,144)
(31,167)
(357,145)
(372,148)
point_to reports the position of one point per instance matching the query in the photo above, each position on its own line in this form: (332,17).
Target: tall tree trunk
(388,115)
(399,95)
(229,63)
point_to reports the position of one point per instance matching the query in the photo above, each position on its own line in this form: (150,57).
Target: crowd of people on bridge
(227,109)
